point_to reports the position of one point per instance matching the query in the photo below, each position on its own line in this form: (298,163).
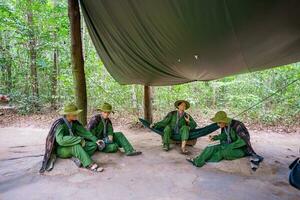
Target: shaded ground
(154,175)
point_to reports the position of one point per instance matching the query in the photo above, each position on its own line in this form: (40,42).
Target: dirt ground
(155,175)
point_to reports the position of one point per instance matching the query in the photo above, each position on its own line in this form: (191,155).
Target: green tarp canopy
(166,42)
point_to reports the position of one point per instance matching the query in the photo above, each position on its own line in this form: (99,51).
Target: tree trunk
(54,71)
(77,59)
(134,103)
(147,104)
(7,58)
(32,52)
(54,80)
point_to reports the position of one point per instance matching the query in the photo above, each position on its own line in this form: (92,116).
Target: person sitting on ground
(101,126)
(233,143)
(177,122)
(69,139)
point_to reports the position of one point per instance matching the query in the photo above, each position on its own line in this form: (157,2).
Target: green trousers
(82,153)
(217,153)
(119,141)
(183,131)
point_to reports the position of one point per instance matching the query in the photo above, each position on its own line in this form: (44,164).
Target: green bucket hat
(176,104)
(105,107)
(70,108)
(221,116)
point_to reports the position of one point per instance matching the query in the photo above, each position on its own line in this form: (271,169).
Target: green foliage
(51,28)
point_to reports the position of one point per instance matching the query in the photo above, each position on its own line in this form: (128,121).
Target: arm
(110,131)
(237,144)
(94,130)
(81,131)
(222,136)
(163,123)
(65,140)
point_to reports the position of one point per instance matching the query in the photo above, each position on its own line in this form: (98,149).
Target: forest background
(35,71)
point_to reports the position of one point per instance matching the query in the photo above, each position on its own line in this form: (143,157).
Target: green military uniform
(234,150)
(82,145)
(102,128)
(174,123)
(231,146)
(76,142)
(119,140)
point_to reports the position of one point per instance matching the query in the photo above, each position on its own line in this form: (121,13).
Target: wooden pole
(77,59)
(147,104)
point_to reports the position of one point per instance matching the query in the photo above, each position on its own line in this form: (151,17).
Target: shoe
(191,160)
(166,147)
(134,153)
(76,161)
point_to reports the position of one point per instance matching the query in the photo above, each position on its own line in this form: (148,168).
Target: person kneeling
(232,143)
(101,126)
(69,139)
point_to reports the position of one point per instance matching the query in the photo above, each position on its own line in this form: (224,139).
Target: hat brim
(227,120)
(176,104)
(103,110)
(76,112)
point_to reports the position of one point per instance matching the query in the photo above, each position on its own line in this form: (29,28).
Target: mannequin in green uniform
(74,141)
(101,127)
(177,122)
(231,146)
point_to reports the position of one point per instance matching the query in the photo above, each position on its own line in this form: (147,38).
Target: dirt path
(154,175)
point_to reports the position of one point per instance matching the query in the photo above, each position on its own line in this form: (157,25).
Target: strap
(104,127)
(69,126)
(227,132)
(266,98)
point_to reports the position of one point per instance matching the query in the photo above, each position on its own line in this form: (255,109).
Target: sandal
(184,151)
(76,161)
(134,153)
(166,147)
(191,160)
(95,168)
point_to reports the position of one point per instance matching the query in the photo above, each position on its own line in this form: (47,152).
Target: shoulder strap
(69,126)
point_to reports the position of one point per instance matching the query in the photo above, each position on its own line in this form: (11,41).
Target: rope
(264,99)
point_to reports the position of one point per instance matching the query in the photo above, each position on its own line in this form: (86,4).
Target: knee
(167,129)
(111,148)
(115,148)
(118,134)
(77,147)
(93,145)
(184,128)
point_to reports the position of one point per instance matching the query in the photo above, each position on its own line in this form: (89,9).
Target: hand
(82,142)
(211,137)
(98,142)
(106,140)
(187,118)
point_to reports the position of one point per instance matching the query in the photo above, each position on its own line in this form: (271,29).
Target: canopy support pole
(148,104)
(77,59)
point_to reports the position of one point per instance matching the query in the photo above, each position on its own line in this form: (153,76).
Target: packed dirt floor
(153,175)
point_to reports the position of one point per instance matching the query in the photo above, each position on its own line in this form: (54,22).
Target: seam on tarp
(235,35)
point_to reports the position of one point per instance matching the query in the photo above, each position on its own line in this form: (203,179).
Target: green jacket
(236,141)
(96,126)
(171,119)
(63,137)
